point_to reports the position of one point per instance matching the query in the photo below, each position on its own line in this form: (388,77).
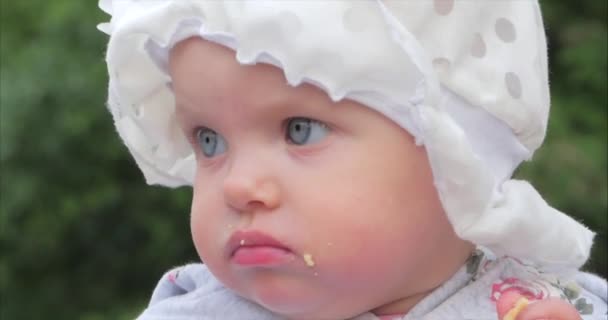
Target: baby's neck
(406,303)
(402,305)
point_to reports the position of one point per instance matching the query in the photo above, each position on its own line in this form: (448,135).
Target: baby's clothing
(390,317)
(191,292)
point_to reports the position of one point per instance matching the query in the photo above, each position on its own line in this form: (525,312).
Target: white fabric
(468,79)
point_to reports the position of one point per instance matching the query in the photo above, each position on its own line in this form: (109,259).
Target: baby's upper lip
(252,238)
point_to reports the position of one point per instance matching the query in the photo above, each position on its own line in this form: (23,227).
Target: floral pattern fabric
(529,282)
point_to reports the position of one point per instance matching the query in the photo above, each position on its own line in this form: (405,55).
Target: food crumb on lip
(242,242)
(308,259)
(517,308)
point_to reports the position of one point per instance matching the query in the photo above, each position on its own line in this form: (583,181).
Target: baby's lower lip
(262,256)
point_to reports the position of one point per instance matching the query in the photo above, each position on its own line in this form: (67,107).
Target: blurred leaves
(81,234)
(82,237)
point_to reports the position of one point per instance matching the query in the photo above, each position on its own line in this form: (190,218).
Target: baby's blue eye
(210,142)
(303,131)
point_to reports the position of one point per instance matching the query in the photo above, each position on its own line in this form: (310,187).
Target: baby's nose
(249,189)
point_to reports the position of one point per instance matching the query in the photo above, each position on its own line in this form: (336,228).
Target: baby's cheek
(207,221)
(206,235)
(352,260)
(207,244)
(200,237)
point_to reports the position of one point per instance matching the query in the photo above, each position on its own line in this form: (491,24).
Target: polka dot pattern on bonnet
(443,7)
(505,30)
(513,85)
(442,65)
(490,52)
(478,49)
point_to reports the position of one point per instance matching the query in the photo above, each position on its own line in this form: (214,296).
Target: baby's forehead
(203,70)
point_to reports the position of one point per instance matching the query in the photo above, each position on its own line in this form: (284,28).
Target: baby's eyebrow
(185,115)
(302,100)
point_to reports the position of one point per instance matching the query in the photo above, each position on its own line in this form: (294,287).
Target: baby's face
(313,209)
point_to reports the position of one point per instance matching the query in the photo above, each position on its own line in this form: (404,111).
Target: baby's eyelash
(190,133)
(285,124)
(193,132)
(301,131)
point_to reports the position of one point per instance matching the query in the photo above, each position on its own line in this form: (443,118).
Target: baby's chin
(311,310)
(299,299)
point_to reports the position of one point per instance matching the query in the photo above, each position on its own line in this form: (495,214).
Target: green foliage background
(82,236)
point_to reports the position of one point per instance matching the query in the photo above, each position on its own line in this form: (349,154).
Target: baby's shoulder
(192,292)
(489,279)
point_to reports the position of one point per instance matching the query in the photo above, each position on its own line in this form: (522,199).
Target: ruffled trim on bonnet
(392,56)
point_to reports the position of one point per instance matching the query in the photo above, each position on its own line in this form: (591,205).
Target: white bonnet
(468,79)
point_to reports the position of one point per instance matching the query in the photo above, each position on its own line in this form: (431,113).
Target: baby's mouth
(257,249)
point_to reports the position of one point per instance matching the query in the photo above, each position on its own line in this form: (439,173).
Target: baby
(349,159)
